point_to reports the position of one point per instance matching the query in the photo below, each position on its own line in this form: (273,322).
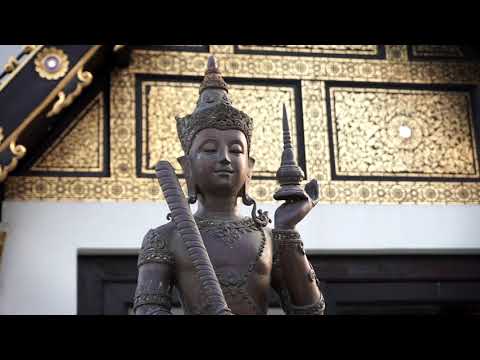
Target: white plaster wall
(38,272)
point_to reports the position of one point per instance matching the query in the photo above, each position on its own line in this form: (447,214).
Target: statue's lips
(224,172)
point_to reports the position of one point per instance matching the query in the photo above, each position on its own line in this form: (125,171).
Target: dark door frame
(352,284)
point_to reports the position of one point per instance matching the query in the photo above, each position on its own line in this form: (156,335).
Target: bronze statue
(220,262)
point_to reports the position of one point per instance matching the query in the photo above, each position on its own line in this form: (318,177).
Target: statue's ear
(185,163)
(251,165)
(244,192)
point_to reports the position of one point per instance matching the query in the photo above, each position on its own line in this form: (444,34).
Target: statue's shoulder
(160,237)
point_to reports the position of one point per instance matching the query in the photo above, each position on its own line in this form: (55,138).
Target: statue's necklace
(229,231)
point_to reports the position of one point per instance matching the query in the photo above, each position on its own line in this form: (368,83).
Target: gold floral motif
(80,147)
(313,72)
(410,133)
(51,63)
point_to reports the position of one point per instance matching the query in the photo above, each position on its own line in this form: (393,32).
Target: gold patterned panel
(440,51)
(385,132)
(163,100)
(80,147)
(316,49)
(314,72)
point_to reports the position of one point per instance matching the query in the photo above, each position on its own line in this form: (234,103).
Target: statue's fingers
(313,191)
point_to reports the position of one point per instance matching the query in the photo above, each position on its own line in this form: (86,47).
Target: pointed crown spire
(214,110)
(213,77)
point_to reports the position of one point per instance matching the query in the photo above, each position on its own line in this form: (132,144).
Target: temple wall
(38,272)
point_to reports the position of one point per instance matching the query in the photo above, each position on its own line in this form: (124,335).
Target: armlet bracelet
(285,235)
(288,239)
(315,309)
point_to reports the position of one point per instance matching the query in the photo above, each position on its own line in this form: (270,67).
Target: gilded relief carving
(80,147)
(385,132)
(438,151)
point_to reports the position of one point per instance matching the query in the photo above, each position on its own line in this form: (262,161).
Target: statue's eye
(209,148)
(236,149)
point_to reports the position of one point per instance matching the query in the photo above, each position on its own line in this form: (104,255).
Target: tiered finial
(289,175)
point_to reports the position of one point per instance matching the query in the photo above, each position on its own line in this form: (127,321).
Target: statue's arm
(293,277)
(155,276)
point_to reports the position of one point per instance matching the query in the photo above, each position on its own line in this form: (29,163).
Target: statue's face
(219,161)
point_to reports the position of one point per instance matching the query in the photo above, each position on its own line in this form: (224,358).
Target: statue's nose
(225,158)
(225,161)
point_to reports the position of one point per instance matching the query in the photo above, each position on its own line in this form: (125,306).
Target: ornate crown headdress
(214,110)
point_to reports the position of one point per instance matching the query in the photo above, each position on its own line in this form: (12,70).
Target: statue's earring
(191,186)
(192,196)
(261,218)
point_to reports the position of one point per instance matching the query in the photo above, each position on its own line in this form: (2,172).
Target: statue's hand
(289,214)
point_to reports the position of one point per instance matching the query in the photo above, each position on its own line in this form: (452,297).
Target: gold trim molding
(85,78)
(31,51)
(18,152)
(11,65)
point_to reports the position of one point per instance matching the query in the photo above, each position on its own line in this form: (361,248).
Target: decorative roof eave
(16,63)
(47,77)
